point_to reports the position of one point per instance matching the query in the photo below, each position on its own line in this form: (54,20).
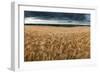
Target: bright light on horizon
(35,20)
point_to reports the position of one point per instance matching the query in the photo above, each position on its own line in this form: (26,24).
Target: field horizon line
(57,25)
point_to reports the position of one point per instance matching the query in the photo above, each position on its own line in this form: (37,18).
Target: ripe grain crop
(43,43)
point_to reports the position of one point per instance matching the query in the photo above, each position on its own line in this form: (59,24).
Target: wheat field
(43,43)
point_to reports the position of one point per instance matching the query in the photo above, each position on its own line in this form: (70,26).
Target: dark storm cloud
(58,16)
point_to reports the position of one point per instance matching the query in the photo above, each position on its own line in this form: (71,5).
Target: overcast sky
(55,17)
